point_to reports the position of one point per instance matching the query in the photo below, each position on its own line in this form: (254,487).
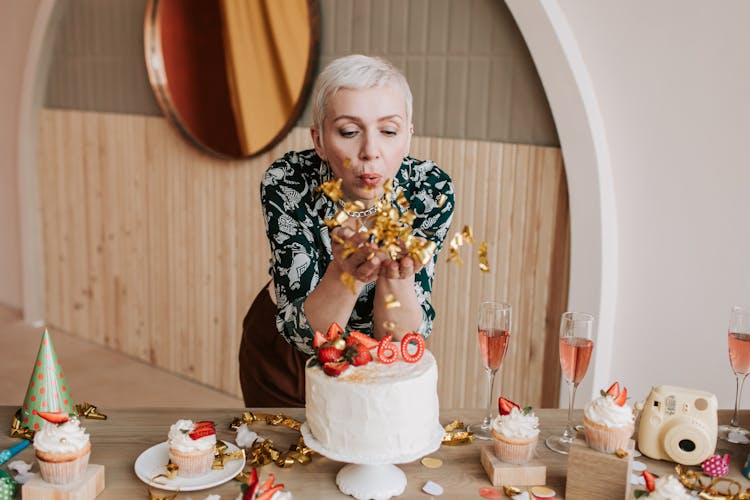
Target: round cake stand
(368,477)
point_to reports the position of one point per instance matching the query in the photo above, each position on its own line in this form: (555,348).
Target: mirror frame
(157,77)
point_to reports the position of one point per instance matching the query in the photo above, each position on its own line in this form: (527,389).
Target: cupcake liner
(192,464)
(64,472)
(514,452)
(606,439)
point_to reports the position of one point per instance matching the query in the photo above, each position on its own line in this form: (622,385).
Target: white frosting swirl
(63,438)
(605,411)
(180,440)
(516,425)
(669,488)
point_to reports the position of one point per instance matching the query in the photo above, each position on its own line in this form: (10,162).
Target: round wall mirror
(232,76)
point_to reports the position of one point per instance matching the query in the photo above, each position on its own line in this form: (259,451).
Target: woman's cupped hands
(366,262)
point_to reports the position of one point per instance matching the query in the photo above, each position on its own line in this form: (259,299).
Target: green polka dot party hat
(48,391)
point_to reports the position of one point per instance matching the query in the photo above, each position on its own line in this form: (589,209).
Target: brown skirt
(272,372)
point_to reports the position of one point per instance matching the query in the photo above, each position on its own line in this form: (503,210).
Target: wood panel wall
(156,250)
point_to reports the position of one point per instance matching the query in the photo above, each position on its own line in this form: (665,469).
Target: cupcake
(192,447)
(515,433)
(62,448)
(608,421)
(665,488)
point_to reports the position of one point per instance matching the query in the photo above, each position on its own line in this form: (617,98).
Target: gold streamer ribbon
(161,495)
(17,430)
(263,453)
(456,434)
(89,411)
(711,488)
(170,474)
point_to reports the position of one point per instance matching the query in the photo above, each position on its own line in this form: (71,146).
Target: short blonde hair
(356,71)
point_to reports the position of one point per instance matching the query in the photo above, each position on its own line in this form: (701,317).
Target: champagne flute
(493,335)
(739,358)
(576,347)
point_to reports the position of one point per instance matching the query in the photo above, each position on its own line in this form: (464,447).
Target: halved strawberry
(362,356)
(650,480)
(54,417)
(319,339)
(622,397)
(328,354)
(335,368)
(504,406)
(614,390)
(365,340)
(334,331)
(202,432)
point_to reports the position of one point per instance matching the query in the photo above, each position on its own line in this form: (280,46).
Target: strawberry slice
(334,331)
(202,432)
(328,354)
(365,340)
(362,357)
(319,339)
(204,423)
(266,495)
(650,481)
(504,406)
(335,368)
(622,397)
(252,486)
(54,417)
(614,390)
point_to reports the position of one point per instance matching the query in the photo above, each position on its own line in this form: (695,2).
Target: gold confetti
(455,434)
(348,280)
(454,256)
(484,264)
(441,200)
(332,189)
(391,302)
(347,163)
(349,249)
(401,199)
(542,492)
(432,463)
(511,491)
(389,326)
(621,453)
(468,234)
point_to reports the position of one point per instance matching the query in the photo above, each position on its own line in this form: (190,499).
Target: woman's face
(365,137)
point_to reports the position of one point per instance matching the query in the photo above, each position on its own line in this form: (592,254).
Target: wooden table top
(118,441)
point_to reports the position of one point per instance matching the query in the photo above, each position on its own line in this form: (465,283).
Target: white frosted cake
(376,410)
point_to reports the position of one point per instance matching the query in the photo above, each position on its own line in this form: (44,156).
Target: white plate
(153,461)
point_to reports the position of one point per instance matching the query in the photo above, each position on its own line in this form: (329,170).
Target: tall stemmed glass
(739,358)
(494,334)
(575,353)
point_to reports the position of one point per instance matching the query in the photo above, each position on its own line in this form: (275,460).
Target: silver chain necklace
(357,214)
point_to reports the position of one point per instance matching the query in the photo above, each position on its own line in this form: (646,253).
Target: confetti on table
(543,492)
(432,488)
(432,463)
(638,466)
(491,493)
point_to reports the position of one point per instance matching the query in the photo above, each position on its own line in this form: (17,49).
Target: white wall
(16,20)
(671,83)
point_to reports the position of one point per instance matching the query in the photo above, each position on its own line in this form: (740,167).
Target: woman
(362,128)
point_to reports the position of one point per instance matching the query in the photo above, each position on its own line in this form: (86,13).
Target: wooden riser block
(501,473)
(593,475)
(86,488)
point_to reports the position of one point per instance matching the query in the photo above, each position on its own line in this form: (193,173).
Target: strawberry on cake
(192,446)
(372,399)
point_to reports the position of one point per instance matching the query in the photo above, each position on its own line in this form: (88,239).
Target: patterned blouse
(294,212)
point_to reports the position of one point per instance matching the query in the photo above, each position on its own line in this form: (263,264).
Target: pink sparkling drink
(575,354)
(739,352)
(493,345)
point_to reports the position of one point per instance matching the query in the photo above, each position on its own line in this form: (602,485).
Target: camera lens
(687,445)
